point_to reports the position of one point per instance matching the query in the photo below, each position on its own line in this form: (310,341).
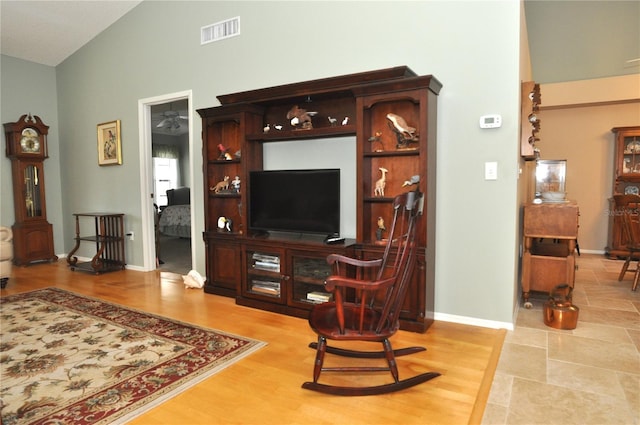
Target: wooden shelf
(315,133)
(108,241)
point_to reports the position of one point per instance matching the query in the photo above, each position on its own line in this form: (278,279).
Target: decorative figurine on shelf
(345,121)
(404,132)
(222,221)
(238,154)
(413,180)
(377,138)
(266,128)
(381,183)
(225,223)
(332,121)
(301,117)
(235,184)
(278,127)
(381,228)
(223,185)
(224,153)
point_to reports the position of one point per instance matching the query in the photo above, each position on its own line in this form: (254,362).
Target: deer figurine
(381,183)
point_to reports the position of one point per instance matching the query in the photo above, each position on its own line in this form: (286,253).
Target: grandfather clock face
(30,141)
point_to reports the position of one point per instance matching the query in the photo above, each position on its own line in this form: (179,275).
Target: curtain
(165,151)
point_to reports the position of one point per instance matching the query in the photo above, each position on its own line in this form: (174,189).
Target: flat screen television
(298,201)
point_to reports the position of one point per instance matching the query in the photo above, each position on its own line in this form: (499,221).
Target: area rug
(70,359)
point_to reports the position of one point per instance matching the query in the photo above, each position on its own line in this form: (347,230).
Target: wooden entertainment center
(392,114)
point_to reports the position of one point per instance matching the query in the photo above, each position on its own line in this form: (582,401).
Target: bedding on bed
(175,220)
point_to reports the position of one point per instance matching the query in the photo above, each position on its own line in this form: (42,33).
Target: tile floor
(588,375)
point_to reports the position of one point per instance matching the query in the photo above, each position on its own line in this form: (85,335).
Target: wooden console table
(108,237)
(550,238)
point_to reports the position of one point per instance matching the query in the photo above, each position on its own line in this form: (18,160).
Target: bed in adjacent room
(175,218)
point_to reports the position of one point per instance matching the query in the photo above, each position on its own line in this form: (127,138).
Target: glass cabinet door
(32,194)
(631,155)
(263,274)
(308,278)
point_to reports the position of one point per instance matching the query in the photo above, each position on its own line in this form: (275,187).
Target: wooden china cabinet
(392,115)
(626,180)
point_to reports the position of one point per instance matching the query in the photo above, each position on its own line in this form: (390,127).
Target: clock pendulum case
(27,148)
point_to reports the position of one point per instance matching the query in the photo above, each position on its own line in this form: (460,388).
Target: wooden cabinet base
(33,243)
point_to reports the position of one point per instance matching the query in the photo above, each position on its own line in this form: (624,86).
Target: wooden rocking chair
(627,210)
(373,314)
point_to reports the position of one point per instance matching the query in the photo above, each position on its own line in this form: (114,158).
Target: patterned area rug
(70,359)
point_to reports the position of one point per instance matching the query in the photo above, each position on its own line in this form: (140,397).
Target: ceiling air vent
(220,30)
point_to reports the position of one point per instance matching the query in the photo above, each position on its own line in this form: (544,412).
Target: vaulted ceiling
(569,40)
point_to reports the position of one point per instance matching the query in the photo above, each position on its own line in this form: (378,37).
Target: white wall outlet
(491,170)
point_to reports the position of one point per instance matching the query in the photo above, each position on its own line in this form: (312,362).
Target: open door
(146,121)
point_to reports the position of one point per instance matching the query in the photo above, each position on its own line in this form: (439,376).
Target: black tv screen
(300,201)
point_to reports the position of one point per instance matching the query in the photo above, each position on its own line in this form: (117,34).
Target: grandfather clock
(27,149)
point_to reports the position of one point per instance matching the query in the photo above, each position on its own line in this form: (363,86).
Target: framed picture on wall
(109,144)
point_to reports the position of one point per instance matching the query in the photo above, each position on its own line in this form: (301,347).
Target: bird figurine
(400,126)
(223,151)
(278,127)
(381,228)
(332,121)
(376,138)
(413,180)
(302,117)
(345,121)
(266,128)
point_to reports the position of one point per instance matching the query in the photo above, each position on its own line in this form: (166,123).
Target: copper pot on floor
(559,312)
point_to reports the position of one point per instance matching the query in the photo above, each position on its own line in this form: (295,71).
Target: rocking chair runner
(374,314)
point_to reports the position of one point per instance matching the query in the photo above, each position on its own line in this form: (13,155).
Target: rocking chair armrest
(337,258)
(346,282)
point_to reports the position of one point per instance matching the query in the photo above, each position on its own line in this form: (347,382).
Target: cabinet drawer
(551,220)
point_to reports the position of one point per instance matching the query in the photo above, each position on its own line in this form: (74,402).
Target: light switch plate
(491,170)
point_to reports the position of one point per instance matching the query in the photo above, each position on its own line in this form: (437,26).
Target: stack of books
(266,287)
(266,262)
(319,297)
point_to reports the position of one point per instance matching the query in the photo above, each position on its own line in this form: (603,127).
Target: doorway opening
(166,151)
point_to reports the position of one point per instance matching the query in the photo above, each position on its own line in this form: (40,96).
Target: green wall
(472,47)
(30,88)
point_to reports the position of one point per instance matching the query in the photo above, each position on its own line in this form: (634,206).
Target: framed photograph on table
(109,144)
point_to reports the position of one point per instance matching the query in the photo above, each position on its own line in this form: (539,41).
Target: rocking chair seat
(324,321)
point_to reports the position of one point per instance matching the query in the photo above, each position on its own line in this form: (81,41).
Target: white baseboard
(463,320)
(592,251)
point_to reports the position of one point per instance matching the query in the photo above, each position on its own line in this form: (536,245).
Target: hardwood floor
(265,387)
